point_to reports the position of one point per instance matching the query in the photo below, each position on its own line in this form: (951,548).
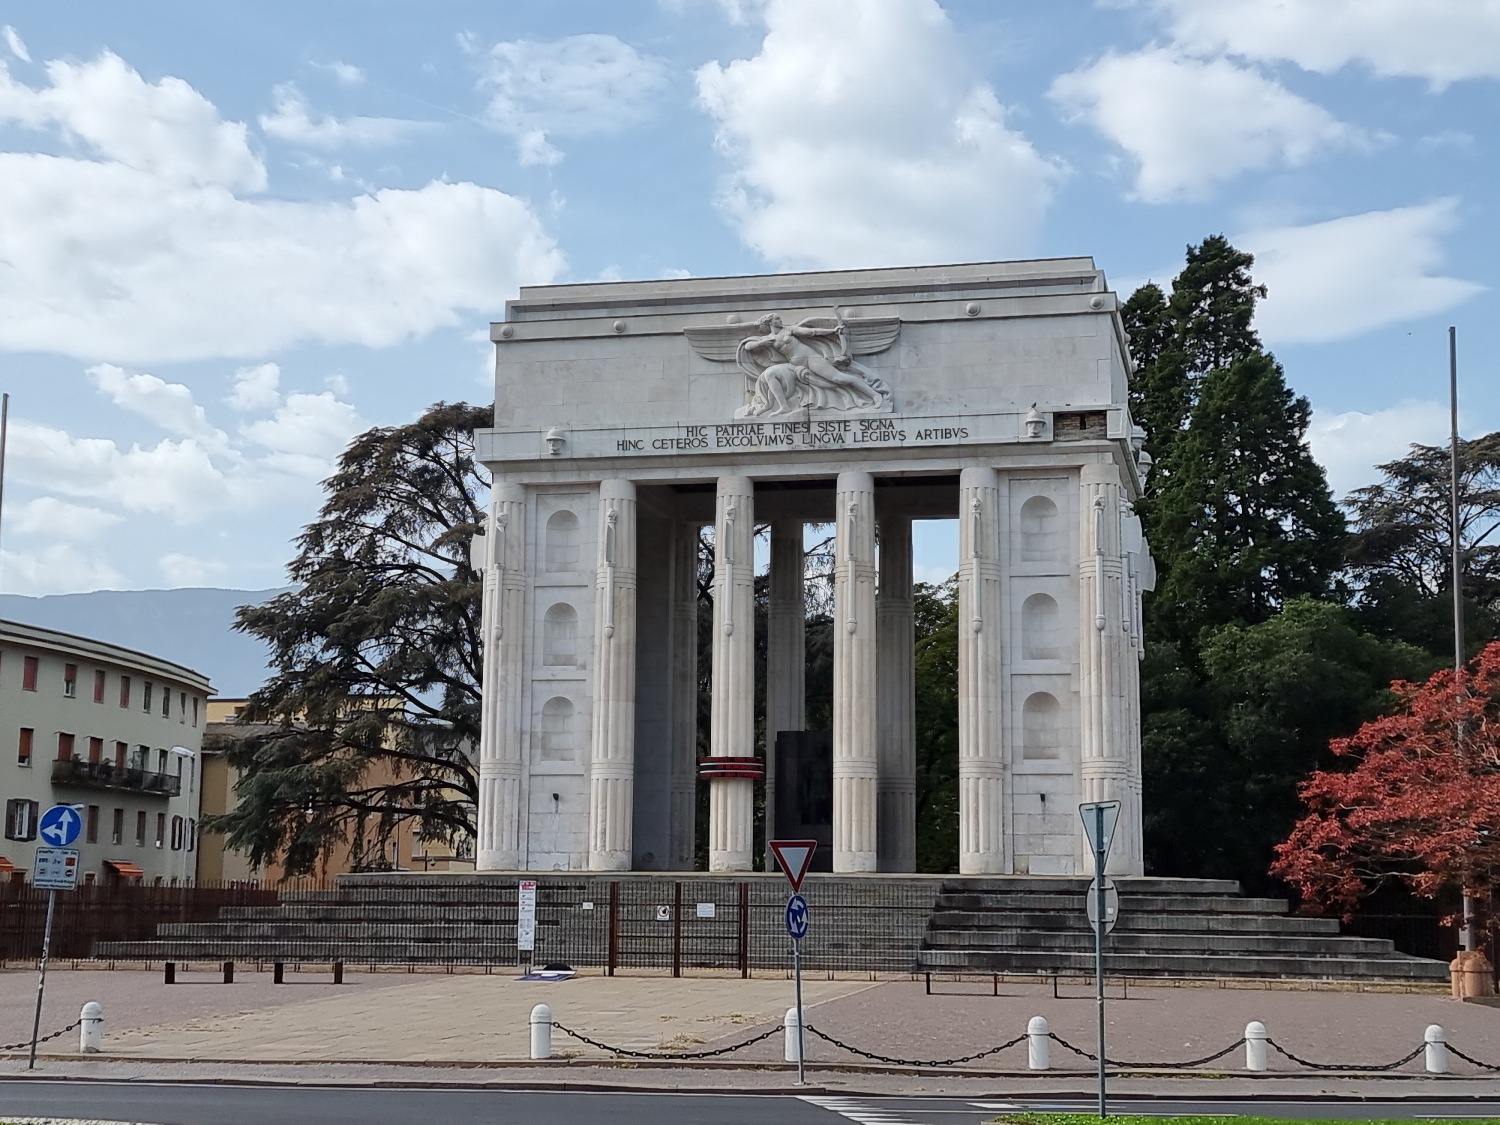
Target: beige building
(113,732)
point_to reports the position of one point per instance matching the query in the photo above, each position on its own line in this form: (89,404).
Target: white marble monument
(628,415)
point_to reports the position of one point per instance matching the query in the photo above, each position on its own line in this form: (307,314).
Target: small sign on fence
(55,869)
(526,916)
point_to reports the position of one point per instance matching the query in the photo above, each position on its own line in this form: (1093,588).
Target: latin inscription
(830,432)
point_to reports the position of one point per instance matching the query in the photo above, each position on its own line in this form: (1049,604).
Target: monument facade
(631,415)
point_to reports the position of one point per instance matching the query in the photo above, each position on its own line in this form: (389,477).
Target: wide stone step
(1128,941)
(1148,921)
(1128,885)
(1134,903)
(1395,967)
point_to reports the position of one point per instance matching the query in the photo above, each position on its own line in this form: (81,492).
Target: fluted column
(855,753)
(501,768)
(731,798)
(612,754)
(1104,678)
(984,845)
(896,826)
(684,753)
(786,653)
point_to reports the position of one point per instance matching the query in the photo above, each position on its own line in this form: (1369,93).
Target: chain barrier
(1236,1045)
(925,1063)
(663,1054)
(27,1042)
(1363,1068)
(1468,1059)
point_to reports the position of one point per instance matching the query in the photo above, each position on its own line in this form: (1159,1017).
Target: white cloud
(17,46)
(60,568)
(1333,280)
(1351,444)
(169,405)
(294,122)
(255,388)
(307,433)
(861,135)
(167,131)
(179,569)
(347,73)
(1192,123)
(58,519)
(149,255)
(1442,41)
(577,86)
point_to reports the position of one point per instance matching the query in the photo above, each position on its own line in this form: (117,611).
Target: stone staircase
(1166,928)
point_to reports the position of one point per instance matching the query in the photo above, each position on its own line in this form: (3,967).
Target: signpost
(526,917)
(1099,820)
(795,857)
(54,869)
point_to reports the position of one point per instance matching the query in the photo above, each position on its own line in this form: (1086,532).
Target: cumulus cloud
(178,569)
(1441,41)
(1351,444)
(572,87)
(154,247)
(1337,279)
(60,568)
(346,73)
(169,405)
(1193,123)
(256,388)
(862,135)
(14,43)
(307,433)
(294,122)
(58,519)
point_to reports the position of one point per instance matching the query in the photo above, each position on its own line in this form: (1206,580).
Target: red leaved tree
(1421,805)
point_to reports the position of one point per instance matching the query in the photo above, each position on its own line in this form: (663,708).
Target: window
(161,761)
(166,702)
(195,710)
(23,747)
(146,697)
(117,832)
(70,681)
(161,828)
(124,691)
(64,747)
(96,751)
(99,685)
(182,706)
(28,674)
(178,833)
(140,757)
(91,825)
(140,828)
(192,834)
(121,749)
(20,819)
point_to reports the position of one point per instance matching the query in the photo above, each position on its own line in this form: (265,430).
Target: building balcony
(106,775)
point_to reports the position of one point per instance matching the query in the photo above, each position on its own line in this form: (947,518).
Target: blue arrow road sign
(796,917)
(60,826)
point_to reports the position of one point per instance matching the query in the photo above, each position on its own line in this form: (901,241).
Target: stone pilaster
(731,800)
(895,645)
(983,831)
(612,752)
(1105,678)
(786,653)
(855,752)
(684,751)
(501,767)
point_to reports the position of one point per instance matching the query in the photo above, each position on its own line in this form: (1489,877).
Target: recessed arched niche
(1041,531)
(558,736)
(560,636)
(1041,629)
(562,551)
(1041,728)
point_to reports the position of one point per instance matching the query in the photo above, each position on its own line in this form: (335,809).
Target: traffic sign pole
(794,858)
(1101,854)
(53,868)
(801,1039)
(41,980)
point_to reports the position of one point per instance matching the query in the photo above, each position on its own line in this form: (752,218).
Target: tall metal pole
(1101,854)
(41,980)
(801,1038)
(1466,931)
(4,425)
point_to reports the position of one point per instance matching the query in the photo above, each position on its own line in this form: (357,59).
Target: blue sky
(233,235)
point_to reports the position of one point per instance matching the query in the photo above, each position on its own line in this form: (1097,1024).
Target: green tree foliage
(374,697)
(935,609)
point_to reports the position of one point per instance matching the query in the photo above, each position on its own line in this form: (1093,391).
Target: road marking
(995,1105)
(857,1111)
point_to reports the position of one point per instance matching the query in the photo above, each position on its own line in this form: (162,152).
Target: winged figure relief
(803,367)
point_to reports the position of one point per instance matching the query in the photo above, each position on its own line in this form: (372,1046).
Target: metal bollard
(1255,1045)
(792,1048)
(541,1032)
(91,1028)
(1038,1047)
(1436,1040)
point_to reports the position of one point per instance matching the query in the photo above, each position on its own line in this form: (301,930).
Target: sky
(233,235)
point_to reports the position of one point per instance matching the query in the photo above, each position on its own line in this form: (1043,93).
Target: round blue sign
(796,917)
(59,826)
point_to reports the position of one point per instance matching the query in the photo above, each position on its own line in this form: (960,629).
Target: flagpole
(1466,939)
(4,425)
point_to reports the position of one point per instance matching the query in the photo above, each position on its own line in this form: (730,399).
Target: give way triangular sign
(795,857)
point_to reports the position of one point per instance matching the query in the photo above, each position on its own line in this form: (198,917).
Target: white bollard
(91,1029)
(792,1049)
(1037,1044)
(1255,1045)
(1437,1049)
(541,1032)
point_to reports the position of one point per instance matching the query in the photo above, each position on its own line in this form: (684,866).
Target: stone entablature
(630,414)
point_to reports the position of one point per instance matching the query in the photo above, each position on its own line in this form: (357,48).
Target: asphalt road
(188,1104)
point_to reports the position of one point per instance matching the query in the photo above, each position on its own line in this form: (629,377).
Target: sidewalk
(474,1028)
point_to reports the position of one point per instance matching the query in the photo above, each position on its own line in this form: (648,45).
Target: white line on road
(857,1111)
